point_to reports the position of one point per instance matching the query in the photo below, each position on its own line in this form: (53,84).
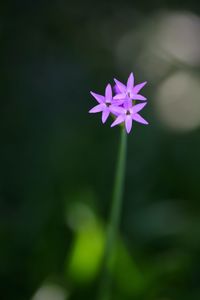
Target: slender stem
(113,226)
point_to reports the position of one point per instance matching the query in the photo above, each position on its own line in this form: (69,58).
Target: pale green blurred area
(58,162)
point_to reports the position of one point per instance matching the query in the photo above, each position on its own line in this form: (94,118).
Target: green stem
(113,226)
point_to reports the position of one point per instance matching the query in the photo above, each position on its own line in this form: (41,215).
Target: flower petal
(138,87)
(128,103)
(98,97)
(118,102)
(130,81)
(117,109)
(120,85)
(136,108)
(116,89)
(97,108)
(138,97)
(108,92)
(128,123)
(119,96)
(105,115)
(118,120)
(136,117)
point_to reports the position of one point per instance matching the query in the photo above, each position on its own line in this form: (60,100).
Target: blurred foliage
(58,162)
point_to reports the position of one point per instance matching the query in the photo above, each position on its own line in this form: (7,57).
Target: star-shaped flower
(129,92)
(127,115)
(123,105)
(104,103)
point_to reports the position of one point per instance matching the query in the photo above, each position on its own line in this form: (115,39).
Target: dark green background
(57,162)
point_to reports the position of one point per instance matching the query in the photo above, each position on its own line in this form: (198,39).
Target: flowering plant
(123,105)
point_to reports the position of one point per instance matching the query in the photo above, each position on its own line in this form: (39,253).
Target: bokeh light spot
(177,101)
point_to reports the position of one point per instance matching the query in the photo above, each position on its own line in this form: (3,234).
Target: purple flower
(104,103)
(123,106)
(127,115)
(129,92)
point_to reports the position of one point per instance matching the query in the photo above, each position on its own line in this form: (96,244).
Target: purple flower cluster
(123,105)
